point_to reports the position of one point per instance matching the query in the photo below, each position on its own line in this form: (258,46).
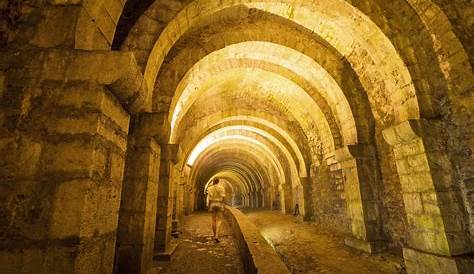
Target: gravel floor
(197,253)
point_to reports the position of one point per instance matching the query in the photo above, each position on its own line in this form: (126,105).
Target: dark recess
(132,10)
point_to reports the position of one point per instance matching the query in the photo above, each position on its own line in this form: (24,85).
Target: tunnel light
(212,139)
(205,143)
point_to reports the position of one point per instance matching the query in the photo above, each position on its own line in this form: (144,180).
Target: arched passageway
(116,114)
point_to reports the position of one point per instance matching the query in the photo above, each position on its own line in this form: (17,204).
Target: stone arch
(260,125)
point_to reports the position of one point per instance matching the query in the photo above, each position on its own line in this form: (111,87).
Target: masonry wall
(328,197)
(61,169)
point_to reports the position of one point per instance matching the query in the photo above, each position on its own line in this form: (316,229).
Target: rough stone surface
(198,253)
(306,248)
(354,115)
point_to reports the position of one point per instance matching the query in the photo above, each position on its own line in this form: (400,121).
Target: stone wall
(64,149)
(328,197)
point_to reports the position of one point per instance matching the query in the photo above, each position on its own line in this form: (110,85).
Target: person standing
(215,203)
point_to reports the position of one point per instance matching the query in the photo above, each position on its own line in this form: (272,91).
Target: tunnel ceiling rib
(240,173)
(253,148)
(239,130)
(287,62)
(335,22)
(235,112)
(251,173)
(285,94)
(229,152)
(280,151)
(264,128)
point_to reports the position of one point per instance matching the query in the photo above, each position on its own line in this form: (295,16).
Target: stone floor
(197,253)
(306,248)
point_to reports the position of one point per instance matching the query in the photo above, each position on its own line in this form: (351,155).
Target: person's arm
(223,194)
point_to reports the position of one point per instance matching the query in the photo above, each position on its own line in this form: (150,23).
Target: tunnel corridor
(304,248)
(346,124)
(198,253)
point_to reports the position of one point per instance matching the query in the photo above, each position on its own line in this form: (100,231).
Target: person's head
(215,181)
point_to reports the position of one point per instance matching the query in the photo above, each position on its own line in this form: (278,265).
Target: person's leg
(214,228)
(218,222)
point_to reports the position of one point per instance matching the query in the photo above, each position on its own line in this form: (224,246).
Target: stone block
(431,209)
(404,132)
(117,168)
(60,259)
(111,134)
(128,259)
(32,261)
(108,209)
(71,206)
(425,263)
(57,27)
(371,210)
(417,182)
(135,197)
(423,221)
(89,258)
(358,229)
(412,148)
(413,203)
(131,227)
(72,158)
(10,262)
(108,255)
(429,241)
(20,158)
(74,125)
(154,125)
(87,35)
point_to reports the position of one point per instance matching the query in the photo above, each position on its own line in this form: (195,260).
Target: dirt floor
(305,248)
(197,253)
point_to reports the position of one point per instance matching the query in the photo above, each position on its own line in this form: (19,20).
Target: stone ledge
(257,255)
(166,255)
(368,247)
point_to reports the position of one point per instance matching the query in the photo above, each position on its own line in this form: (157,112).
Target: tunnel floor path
(305,248)
(197,253)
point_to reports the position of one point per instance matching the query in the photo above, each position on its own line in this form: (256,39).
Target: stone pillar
(268,199)
(256,197)
(136,231)
(156,125)
(62,178)
(359,167)
(286,199)
(307,207)
(165,199)
(63,138)
(251,200)
(181,201)
(437,229)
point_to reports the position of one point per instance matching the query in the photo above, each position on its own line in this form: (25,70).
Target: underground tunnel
(341,132)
